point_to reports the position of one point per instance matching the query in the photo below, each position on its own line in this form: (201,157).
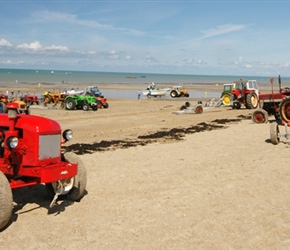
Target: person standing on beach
(139,94)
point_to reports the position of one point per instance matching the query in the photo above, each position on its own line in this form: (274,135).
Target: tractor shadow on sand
(27,199)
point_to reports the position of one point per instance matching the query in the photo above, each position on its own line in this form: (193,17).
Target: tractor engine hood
(33,124)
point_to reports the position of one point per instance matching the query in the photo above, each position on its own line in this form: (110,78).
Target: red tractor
(277,104)
(31,154)
(245,93)
(29,99)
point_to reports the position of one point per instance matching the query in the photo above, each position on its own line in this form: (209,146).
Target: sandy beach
(157,180)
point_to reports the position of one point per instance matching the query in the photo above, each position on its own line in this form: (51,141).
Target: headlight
(67,134)
(12,142)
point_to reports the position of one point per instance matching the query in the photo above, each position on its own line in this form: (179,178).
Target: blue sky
(179,37)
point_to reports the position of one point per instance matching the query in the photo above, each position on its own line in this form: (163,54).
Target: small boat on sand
(152,90)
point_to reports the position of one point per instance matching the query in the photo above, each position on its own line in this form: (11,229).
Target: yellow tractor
(178,91)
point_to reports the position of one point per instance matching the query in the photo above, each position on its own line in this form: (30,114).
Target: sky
(203,37)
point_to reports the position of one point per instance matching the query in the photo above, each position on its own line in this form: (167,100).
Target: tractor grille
(49,146)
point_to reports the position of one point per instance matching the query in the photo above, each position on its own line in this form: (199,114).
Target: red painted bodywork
(23,165)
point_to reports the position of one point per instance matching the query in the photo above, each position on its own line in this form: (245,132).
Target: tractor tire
(106,105)
(80,180)
(284,110)
(274,131)
(226,98)
(47,99)
(76,185)
(260,116)
(252,100)
(95,107)
(99,104)
(6,201)
(173,94)
(186,95)
(198,109)
(85,107)
(70,104)
(236,105)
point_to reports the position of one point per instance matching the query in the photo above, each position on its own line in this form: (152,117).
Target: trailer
(200,107)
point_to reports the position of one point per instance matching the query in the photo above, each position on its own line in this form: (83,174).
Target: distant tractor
(54,97)
(3,98)
(277,104)
(178,91)
(102,102)
(226,94)
(84,102)
(245,93)
(29,99)
(92,90)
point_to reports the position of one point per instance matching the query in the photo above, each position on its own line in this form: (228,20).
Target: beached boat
(73,92)
(152,90)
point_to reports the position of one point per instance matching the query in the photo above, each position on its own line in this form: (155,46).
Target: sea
(11,77)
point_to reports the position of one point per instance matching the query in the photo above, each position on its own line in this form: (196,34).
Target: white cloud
(36,46)
(5,43)
(59,48)
(33,46)
(47,16)
(221,30)
(10,62)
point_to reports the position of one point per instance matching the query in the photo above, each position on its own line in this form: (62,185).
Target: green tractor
(226,94)
(73,102)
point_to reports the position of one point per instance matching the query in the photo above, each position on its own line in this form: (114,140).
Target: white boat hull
(156,92)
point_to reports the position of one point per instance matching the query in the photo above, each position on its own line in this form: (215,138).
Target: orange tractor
(54,97)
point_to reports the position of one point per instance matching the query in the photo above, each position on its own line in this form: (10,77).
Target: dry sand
(208,181)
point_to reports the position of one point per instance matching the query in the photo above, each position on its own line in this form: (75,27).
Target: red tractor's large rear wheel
(260,116)
(284,110)
(6,201)
(252,100)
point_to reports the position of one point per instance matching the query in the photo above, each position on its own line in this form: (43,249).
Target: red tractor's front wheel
(6,201)
(73,188)
(284,110)
(260,116)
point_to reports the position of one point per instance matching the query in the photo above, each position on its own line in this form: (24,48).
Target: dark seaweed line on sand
(174,134)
